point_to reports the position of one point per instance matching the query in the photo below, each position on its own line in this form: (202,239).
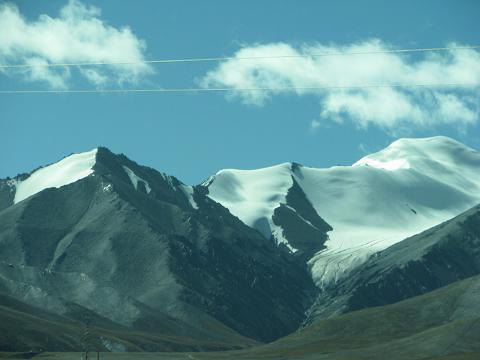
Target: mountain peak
(431,139)
(420,153)
(429,145)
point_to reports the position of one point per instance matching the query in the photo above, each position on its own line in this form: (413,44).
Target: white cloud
(387,107)
(77,35)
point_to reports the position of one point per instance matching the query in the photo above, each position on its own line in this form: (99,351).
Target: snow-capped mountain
(136,251)
(76,167)
(408,187)
(96,235)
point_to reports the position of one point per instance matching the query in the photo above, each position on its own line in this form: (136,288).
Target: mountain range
(147,263)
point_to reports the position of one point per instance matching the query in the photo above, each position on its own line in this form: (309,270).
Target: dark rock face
(146,257)
(437,257)
(301,224)
(7,193)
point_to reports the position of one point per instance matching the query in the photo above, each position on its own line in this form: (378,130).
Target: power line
(194,90)
(211,59)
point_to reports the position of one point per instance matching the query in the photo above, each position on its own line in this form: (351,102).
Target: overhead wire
(194,90)
(232,89)
(217,59)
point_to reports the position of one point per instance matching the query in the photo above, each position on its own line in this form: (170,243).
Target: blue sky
(192,136)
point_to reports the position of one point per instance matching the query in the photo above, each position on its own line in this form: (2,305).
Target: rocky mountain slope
(29,329)
(441,325)
(144,251)
(434,258)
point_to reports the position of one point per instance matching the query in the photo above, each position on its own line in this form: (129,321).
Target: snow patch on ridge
(64,172)
(188,191)
(136,179)
(277,232)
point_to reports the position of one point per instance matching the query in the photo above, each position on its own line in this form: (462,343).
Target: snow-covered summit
(111,167)
(410,186)
(417,153)
(64,172)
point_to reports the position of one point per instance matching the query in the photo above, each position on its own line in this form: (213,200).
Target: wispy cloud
(77,35)
(315,124)
(388,107)
(364,149)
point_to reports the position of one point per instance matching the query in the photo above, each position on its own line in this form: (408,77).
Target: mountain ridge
(257,197)
(368,205)
(230,259)
(147,252)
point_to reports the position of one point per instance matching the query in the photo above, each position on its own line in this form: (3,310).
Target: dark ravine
(139,259)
